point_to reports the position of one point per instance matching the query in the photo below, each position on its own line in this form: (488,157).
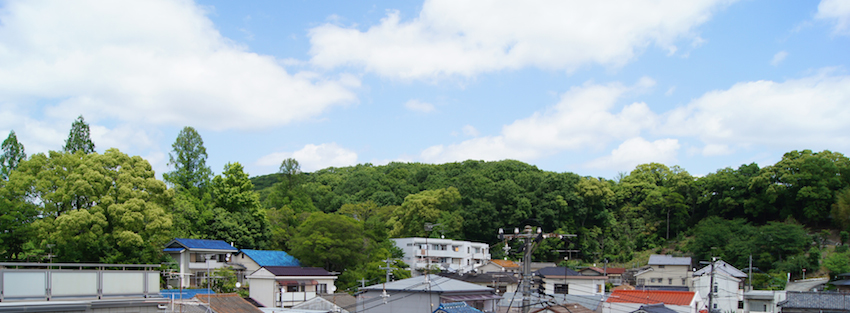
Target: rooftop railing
(64,281)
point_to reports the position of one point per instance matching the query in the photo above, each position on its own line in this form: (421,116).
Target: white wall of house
(576,285)
(666,275)
(763,301)
(728,292)
(463,256)
(263,286)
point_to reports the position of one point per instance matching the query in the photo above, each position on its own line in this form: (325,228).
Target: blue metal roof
(271,258)
(456,307)
(202,244)
(172,249)
(187,293)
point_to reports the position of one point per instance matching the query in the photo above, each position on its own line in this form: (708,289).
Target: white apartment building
(450,255)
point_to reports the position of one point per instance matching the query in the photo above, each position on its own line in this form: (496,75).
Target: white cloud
(419,106)
(458,38)
(469,130)
(150,63)
(778,58)
(585,117)
(314,157)
(637,151)
(786,115)
(837,12)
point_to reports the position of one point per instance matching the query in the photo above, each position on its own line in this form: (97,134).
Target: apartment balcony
(287,299)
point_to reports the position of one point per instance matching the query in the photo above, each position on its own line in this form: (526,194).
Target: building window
(683,281)
(599,288)
(661,266)
(740,304)
(669,281)
(715,306)
(715,288)
(562,289)
(322,288)
(641,281)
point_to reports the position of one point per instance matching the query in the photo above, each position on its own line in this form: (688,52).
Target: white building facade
(451,255)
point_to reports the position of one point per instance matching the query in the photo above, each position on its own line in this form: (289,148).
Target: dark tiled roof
(204,244)
(297,271)
(565,308)
(343,300)
(655,308)
(816,300)
(271,258)
(483,277)
(557,271)
(662,259)
(228,303)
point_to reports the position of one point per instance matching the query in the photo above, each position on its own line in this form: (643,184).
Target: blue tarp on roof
(456,307)
(187,293)
(204,244)
(271,258)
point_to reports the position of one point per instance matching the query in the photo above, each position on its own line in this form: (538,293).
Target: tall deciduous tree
(189,159)
(79,139)
(238,215)
(331,241)
(118,213)
(13,154)
(425,207)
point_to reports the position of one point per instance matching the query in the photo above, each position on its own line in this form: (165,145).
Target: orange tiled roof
(505,263)
(651,297)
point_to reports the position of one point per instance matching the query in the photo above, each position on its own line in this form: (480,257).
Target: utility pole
(529,238)
(711,288)
(388,268)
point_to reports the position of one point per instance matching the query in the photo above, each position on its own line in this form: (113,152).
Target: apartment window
(295,288)
(669,281)
(322,288)
(740,304)
(562,288)
(683,281)
(456,248)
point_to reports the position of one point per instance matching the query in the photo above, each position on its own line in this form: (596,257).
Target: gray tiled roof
(662,259)
(655,308)
(437,284)
(721,267)
(816,300)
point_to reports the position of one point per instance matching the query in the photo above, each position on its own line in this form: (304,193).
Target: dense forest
(76,205)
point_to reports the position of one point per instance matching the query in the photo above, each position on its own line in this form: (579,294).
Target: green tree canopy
(118,213)
(79,138)
(424,207)
(331,241)
(189,159)
(237,213)
(13,154)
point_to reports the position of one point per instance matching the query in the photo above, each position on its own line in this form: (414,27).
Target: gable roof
(228,303)
(199,244)
(655,308)
(651,297)
(324,303)
(816,300)
(663,259)
(297,271)
(557,271)
(722,267)
(489,278)
(505,263)
(437,284)
(271,257)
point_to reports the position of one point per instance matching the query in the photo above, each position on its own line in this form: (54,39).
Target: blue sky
(590,87)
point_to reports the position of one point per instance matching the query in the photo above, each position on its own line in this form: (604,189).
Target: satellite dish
(238,285)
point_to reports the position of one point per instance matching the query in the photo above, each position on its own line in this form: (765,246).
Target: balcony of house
(77,281)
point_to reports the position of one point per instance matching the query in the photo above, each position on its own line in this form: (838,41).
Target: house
(615,274)
(506,266)
(286,286)
(632,300)
(563,280)
(250,261)
(424,293)
(763,301)
(337,302)
(195,258)
(665,272)
(501,282)
(512,302)
(728,287)
(815,302)
(227,303)
(448,255)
